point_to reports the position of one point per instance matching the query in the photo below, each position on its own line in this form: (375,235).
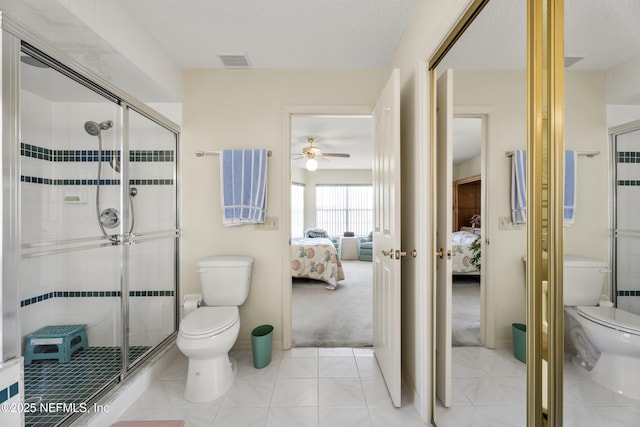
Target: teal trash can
(519,341)
(261,339)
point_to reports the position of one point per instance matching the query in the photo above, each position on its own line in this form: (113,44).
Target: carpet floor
(465,316)
(340,318)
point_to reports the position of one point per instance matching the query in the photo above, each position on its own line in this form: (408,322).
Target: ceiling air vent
(571,60)
(234,60)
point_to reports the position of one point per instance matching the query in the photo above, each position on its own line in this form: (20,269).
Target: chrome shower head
(92,128)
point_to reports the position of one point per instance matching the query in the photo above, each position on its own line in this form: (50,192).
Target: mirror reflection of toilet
(207,333)
(606,338)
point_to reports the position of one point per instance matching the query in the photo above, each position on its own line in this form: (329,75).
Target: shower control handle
(110,218)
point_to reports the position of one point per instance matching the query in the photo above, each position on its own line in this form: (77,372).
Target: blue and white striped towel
(244,186)
(519,187)
(570,163)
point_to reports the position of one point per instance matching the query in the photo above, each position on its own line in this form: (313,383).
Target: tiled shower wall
(628,221)
(58,189)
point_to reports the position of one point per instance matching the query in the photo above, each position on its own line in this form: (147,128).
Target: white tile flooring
(301,387)
(489,389)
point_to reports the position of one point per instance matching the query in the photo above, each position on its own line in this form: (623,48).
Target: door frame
(285,222)
(487,315)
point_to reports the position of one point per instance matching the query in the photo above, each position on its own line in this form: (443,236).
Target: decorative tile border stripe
(151,156)
(51,155)
(92,294)
(628,157)
(47,181)
(629,293)
(628,183)
(9,392)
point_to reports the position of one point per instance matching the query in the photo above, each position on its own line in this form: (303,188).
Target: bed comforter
(317,259)
(461,251)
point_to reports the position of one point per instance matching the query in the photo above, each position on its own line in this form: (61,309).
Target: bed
(462,252)
(316,258)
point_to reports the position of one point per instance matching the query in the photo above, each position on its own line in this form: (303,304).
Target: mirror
(601,47)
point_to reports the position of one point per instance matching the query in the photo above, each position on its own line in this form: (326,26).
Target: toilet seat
(612,317)
(208,321)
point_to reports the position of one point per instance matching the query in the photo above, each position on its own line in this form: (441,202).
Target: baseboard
(505,343)
(244,345)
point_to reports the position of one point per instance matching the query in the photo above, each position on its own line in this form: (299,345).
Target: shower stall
(625,249)
(90,228)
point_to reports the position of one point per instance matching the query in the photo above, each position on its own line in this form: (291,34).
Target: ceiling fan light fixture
(312,164)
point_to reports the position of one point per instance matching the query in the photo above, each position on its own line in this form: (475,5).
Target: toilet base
(620,374)
(209,379)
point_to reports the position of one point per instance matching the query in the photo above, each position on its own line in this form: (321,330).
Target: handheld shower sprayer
(109,217)
(94,129)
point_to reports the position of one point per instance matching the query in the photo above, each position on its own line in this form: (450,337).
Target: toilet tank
(583,280)
(225,280)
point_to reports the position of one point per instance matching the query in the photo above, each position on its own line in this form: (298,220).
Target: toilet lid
(207,321)
(612,317)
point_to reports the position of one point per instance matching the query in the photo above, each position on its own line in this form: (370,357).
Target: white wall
(130,40)
(244,109)
(471,167)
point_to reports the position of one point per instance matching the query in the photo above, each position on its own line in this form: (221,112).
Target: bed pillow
(463,238)
(316,232)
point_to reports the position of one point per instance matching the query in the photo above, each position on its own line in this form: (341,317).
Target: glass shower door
(150,258)
(626,246)
(70,266)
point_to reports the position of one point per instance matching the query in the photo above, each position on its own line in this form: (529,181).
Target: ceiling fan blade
(297,158)
(336,155)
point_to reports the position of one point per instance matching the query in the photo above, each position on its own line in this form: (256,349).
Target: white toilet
(606,338)
(207,333)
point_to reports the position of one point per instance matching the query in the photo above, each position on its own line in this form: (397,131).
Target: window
(297,209)
(341,208)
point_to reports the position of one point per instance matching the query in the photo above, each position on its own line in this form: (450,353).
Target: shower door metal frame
(614,133)
(10,194)
(13,38)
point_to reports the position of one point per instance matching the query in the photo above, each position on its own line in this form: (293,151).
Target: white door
(444,208)
(386,235)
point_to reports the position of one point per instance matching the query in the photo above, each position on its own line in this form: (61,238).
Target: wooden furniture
(467,200)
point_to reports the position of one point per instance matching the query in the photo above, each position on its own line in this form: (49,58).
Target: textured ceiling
(277,33)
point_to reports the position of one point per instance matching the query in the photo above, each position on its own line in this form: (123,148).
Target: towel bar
(589,154)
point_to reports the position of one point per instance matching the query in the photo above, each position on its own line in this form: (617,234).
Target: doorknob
(400,253)
(388,253)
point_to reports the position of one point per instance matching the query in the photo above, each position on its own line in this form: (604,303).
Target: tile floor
(336,387)
(489,389)
(47,381)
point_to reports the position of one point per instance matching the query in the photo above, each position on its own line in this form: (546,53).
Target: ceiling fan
(311,153)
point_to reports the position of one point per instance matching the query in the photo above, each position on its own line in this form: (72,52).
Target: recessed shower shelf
(75,196)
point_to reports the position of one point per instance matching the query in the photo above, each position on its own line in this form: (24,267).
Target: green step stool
(66,338)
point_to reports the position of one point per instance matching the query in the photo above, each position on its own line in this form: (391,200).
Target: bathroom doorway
(468,207)
(332,197)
